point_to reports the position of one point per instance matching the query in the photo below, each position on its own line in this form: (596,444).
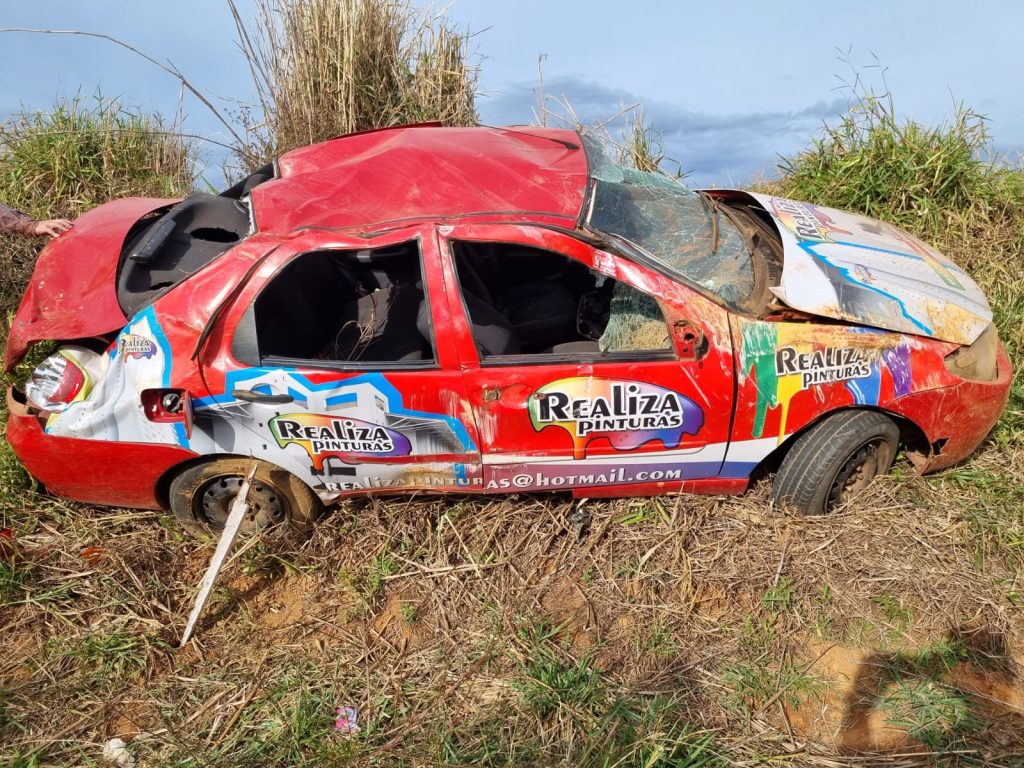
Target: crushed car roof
(418,172)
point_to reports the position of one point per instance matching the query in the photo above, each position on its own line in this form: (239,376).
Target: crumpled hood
(862,270)
(73,290)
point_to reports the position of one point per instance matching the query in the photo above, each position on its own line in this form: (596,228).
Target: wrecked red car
(484,310)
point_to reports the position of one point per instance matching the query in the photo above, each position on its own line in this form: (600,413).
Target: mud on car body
(487,310)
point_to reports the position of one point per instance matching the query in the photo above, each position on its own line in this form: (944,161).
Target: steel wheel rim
(267,506)
(858,471)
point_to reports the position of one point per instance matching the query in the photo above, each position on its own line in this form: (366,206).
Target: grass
(323,68)
(680,631)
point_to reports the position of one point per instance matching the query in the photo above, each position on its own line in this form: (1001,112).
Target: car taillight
(59,381)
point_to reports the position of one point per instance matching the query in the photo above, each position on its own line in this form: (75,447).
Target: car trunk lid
(73,290)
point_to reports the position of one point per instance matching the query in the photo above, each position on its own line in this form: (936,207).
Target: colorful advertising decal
(822,366)
(783,364)
(321,436)
(804,220)
(139,359)
(135,347)
(340,435)
(846,266)
(627,413)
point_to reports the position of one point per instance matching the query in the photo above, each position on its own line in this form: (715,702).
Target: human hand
(52,227)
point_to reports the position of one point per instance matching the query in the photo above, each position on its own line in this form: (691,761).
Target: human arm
(18,223)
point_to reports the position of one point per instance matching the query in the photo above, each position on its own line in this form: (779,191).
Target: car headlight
(977,361)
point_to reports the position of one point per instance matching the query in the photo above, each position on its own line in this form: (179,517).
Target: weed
(896,613)
(551,683)
(11,582)
(659,641)
(779,597)
(408,612)
(935,714)
(753,684)
(113,655)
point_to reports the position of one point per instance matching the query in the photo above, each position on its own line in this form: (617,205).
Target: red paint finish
(713,487)
(72,294)
(425,172)
(961,414)
(718,379)
(93,471)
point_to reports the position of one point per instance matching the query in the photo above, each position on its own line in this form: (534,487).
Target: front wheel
(835,460)
(201,496)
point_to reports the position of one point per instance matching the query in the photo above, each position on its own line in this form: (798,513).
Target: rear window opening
(335,308)
(163,249)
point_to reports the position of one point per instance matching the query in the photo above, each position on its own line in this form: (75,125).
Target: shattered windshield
(684,231)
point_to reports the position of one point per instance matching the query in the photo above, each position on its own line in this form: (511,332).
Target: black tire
(200,497)
(835,460)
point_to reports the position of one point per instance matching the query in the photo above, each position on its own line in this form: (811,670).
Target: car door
(334,362)
(584,369)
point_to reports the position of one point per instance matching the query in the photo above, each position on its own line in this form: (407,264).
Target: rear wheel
(201,496)
(834,461)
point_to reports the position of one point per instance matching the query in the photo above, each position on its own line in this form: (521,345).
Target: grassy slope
(684,631)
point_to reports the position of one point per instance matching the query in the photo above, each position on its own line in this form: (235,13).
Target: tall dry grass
(323,68)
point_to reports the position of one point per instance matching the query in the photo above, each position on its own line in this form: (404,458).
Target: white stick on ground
(238,509)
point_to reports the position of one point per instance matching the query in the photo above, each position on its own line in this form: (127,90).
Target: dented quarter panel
(790,374)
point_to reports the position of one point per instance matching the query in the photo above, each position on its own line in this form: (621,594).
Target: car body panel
(790,375)
(849,267)
(424,172)
(729,391)
(107,472)
(72,293)
(623,421)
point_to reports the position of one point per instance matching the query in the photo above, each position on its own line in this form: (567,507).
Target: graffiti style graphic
(347,439)
(139,360)
(782,365)
(135,347)
(846,266)
(339,436)
(805,221)
(628,413)
(919,248)
(863,274)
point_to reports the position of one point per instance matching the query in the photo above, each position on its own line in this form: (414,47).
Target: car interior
(347,306)
(168,245)
(523,300)
(369,307)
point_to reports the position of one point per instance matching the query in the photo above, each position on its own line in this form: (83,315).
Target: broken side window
(362,309)
(526,301)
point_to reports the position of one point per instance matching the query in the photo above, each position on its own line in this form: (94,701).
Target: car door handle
(259,397)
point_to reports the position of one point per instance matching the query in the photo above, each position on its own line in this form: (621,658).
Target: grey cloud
(713,148)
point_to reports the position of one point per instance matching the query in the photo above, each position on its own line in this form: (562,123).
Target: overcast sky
(731,87)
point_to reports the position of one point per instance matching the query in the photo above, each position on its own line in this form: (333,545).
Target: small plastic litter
(93,555)
(116,753)
(346,722)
